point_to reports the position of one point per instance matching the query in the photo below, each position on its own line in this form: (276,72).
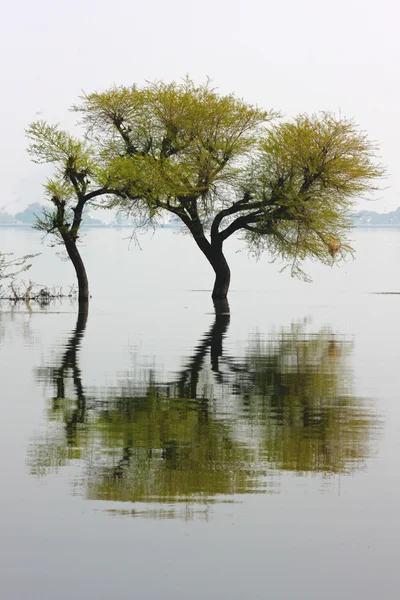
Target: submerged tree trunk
(222,274)
(76,259)
(215,256)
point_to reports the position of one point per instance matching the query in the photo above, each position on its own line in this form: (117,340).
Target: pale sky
(294,56)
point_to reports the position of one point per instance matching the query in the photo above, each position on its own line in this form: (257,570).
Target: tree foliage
(74,184)
(74,163)
(223,166)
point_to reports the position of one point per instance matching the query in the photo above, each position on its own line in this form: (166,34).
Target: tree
(224,167)
(74,185)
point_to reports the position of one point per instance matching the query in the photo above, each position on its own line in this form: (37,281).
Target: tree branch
(100,192)
(259,230)
(189,203)
(243,204)
(178,211)
(74,181)
(130,148)
(239,223)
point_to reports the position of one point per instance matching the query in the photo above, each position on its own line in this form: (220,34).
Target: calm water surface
(154,448)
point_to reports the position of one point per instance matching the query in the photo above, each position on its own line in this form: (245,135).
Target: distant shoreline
(177,226)
(94,226)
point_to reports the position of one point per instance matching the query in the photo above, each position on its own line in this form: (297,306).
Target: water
(153,448)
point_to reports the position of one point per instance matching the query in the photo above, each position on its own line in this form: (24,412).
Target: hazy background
(293,56)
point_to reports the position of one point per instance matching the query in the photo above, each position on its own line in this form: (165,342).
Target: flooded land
(158,446)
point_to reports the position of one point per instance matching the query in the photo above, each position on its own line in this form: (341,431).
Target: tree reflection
(221,425)
(68,405)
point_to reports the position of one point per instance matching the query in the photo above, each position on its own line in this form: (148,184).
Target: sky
(292,56)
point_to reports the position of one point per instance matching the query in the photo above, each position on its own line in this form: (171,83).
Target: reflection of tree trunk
(118,469)
(213,339)
(70,362)
(218,332)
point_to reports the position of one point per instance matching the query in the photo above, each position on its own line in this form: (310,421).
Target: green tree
(224,167)
(74,185)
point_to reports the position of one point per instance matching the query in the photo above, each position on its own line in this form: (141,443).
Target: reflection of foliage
(165,449)
(72,413)
(299,385)
(221,430)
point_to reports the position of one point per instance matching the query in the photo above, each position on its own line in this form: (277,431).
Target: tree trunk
(76,259)
(213,252)
(222,274)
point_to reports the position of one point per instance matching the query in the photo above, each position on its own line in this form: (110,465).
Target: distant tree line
(370,217)
(29,215)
